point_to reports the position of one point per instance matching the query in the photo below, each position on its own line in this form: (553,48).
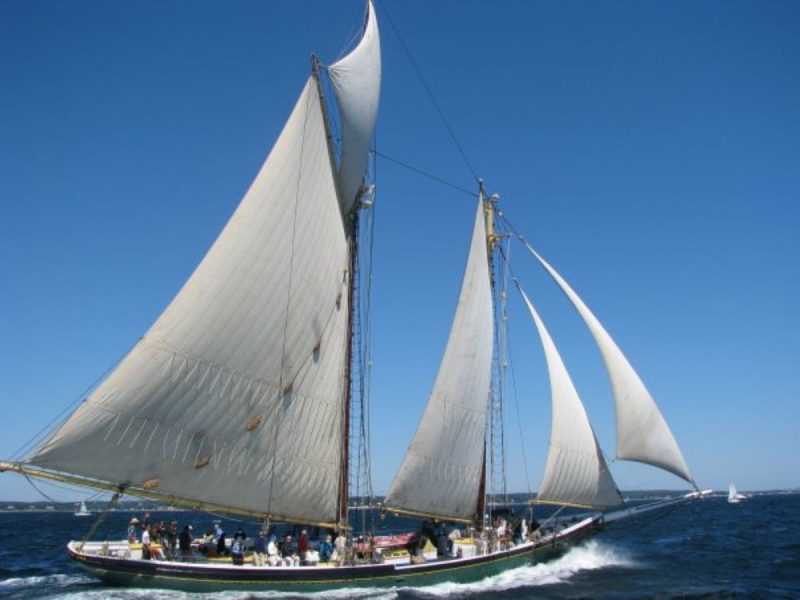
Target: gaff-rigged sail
(234,396)
(356,81)
(576,472)
(642,433)
(441,473)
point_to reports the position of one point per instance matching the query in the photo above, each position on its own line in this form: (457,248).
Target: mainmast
(351,228)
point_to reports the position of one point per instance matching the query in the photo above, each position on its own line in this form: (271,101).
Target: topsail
(356,81)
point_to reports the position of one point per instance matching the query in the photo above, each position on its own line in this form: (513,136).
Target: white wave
(155,594)
(58,580)
(586,557)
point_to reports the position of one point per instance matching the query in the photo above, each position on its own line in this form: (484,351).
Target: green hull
(207,578)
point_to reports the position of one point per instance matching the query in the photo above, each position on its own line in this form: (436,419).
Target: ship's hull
(193,577)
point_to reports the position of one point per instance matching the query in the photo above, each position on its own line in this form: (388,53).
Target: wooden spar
(425,515)
(350,222)
(344,490)
(482,493)
(315,64)
(491,240)
(563,504)
(149,494)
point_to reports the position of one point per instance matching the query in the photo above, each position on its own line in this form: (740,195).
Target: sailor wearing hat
(132,530)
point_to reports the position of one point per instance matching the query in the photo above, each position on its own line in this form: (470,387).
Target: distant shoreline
(10,507)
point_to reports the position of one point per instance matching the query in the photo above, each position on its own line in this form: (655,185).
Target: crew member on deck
(272,551)
(219,540)
(146,542)
(185,542)
(260,550)
(302,546)
(132,526)
(326,549)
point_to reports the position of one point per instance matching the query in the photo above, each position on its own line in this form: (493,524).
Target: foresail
(576,472)
(642,433)
(441,473)
(234,397)
(356,81)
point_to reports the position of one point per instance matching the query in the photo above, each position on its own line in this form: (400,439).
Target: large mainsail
(576,472)
(642,433)
(235,396)
(441,473)
(356,81)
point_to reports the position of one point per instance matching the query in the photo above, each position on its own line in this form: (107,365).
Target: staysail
(235,395)
(576,472)
(642,433)
(441,473)
(356,81)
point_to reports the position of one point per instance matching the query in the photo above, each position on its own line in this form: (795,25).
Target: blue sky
(648,150)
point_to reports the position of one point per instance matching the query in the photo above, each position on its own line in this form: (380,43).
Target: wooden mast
(351,229)
(491,242)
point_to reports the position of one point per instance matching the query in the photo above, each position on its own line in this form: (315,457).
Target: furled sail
(576,472)
(356,81)
(642,433)
(235,395)
(441,473)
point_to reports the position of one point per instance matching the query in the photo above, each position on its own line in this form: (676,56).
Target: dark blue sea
(707,549)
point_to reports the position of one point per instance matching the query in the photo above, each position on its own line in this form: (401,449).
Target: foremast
(491,242)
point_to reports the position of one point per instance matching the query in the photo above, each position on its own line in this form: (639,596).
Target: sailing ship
(735,497)
(239,398)
(83,511)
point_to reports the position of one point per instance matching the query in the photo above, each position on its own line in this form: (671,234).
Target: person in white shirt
(146,552)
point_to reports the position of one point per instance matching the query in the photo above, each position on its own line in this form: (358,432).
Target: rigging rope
(429,91)
(39,436)
(113,503)
(419,171)
(507,263)
(66,488)
(33,485)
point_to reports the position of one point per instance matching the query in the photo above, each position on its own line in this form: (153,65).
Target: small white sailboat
(83,511)
(735,497)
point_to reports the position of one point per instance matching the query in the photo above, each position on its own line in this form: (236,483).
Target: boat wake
(590,556)
(20,584)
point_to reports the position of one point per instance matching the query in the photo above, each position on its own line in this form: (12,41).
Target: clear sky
(650,151)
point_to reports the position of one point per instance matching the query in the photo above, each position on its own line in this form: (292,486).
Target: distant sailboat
(83,511)
(735,497)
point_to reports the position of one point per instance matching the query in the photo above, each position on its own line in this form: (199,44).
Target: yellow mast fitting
(488,206)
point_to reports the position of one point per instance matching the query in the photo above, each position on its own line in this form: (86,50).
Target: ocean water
(707,549)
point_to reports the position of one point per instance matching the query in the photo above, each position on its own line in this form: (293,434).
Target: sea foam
(44,581)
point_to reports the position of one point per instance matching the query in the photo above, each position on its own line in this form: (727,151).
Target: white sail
(733,495)
(356,81)
(441,472)
(642,433)
(576,472)
(235,394)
